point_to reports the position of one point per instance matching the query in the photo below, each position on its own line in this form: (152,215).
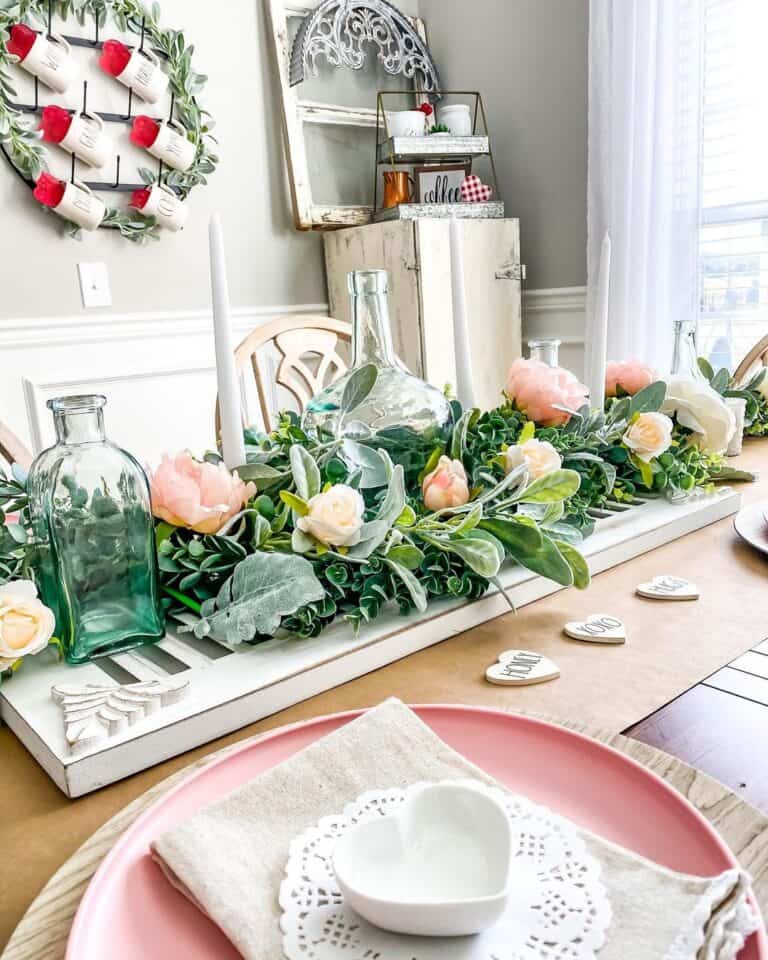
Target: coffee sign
(440,183)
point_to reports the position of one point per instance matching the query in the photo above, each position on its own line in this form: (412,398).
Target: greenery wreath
(21,144)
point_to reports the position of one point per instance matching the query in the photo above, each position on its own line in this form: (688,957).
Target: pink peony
(631,375)
(201,496)
(446,486)
(538,390)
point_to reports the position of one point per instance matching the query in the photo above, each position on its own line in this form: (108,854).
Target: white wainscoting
(558,312)
(156,370)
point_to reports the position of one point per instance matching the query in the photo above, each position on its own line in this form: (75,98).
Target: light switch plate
(94,284)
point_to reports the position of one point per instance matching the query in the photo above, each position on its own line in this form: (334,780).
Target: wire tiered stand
(395,152)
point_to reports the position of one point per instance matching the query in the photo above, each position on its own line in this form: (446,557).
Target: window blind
(733,258)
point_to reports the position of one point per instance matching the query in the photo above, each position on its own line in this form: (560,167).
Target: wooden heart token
(597,628)
(518,668)
(669,588)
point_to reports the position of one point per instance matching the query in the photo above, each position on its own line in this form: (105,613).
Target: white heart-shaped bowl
(439,868)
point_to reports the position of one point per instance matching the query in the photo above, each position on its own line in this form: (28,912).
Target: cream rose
(26,624)
(538,455)
(334,517)
(649,436)
(701,409)
(446,486)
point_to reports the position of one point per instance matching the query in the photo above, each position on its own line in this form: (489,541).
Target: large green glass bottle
(96,564)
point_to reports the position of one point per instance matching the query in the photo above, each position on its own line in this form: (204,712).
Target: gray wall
(529,60)
(269,262)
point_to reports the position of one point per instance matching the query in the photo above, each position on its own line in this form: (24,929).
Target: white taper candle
(462,348)
(232,442)
(596,340)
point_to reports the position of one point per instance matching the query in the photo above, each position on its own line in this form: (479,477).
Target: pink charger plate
(130,912)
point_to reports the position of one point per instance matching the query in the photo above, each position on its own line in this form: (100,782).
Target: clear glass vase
(402,414)
(545,349)
(95,561)
(685,358)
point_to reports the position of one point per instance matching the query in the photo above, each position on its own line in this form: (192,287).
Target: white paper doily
(558,910)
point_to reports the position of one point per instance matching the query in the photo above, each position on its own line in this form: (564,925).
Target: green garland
(756,410)
(25,150)
(262,573)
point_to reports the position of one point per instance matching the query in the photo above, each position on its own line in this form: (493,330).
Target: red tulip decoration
(114,57)
(426,109)
(55,123)
(49,190)
(21,40)
(144,132)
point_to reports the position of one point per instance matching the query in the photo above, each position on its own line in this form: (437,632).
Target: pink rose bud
(631,375)
(199,495)
(55,122)
(21,40)
(446,486)
(48,190)
(145,131)
(114,57)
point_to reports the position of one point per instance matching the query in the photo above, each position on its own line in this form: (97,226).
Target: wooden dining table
(708,740)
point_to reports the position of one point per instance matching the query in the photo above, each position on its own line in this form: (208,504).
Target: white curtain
(644,136)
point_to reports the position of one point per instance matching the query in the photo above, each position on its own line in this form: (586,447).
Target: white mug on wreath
(160,202)
(80,133)
(73,200)
(138,69)
(165,140)
(47,57)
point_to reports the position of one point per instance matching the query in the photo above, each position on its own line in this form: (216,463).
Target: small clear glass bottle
(685,358)
(545,349)
(95,563)
(402,414)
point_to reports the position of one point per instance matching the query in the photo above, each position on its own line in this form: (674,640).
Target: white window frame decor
(308,212)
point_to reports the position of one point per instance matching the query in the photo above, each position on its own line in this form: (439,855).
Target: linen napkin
(229,858)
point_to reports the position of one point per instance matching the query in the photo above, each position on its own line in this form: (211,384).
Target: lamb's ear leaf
(264,588)
(358,387)
(306,474)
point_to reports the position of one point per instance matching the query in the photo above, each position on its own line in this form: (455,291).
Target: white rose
(538,455)
(649,436)
(701,409)
(26,624)
(335,517)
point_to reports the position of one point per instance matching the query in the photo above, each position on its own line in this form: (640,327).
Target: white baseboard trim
(23,333)
(556,311)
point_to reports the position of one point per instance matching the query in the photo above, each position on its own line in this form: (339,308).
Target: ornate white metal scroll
(341,30)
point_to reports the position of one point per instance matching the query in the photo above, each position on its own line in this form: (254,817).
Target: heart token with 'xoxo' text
(669,588)
(518,668)
(597,628)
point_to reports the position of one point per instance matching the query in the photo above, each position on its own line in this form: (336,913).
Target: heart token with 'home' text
(669,588)
(518,668)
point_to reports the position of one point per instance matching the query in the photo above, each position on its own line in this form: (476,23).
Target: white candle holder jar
(172,146)
(406,123)
(144,75)
(87,139)
(80,205)
(163,204)
(457,118)
(50,60)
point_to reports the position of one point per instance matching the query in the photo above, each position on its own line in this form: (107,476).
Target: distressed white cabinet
(416,255)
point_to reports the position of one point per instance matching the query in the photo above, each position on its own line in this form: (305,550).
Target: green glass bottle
(95,561)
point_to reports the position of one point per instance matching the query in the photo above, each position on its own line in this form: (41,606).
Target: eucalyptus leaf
(306,474)
(577,563)
(553,486)
(415,589)
(516,536)
(459,438)
(406,555)
(261,474)
(373,532)
(264,588)
(373,468)
(650,399)
(477,552)
(359,385)
(706,368)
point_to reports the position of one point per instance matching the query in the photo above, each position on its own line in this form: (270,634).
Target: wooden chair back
(296,339)
(757,355)
(12,450)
